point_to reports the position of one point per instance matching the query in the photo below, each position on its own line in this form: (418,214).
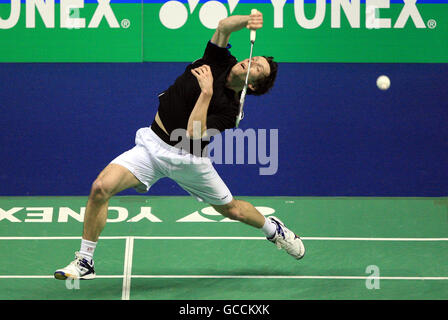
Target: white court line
(127,276)
(281,277)
(52,277)
(237,277)
(303,238)
(227,238)
(58,238)
(125,293)
(373,239)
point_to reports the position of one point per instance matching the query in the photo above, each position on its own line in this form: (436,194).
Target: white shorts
(152,159)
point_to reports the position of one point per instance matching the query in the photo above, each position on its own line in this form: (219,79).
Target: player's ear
(251,87)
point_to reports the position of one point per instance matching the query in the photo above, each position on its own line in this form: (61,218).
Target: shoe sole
(302,247)
(60,275)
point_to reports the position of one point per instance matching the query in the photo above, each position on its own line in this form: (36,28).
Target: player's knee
(99,191)
(232,212)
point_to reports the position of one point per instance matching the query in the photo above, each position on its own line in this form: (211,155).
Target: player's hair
(263,85)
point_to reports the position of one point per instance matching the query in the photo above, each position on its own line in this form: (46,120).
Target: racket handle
(253,32)
(237,123)
(252,36)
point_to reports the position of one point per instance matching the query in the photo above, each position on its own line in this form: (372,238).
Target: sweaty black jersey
(177,102)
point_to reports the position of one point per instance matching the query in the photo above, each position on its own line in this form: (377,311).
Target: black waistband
(161,134)
(190,147)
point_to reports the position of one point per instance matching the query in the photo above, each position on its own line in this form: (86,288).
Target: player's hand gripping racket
(243,93)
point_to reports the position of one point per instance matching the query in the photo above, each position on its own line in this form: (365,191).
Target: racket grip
(252,36)
(253,32)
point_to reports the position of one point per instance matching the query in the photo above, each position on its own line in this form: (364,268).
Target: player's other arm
(197,122)
(235,23)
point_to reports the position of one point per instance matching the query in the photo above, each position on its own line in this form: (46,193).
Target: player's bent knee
(232,212)
(99,191)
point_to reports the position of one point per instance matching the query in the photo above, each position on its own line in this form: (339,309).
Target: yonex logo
(174,14)
(69,14)
(115,215)
(209,214)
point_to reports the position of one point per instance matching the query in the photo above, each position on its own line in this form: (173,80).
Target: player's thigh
(204,183)
(115,178)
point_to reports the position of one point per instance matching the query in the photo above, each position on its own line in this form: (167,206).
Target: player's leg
(132,169)
(200,179)
(274,229)
(113,179)
(242,211)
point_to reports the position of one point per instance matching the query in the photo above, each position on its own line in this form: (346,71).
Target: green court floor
(175,248)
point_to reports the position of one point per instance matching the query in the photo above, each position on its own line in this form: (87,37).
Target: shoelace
(279,229)
(279,242)
(78,260)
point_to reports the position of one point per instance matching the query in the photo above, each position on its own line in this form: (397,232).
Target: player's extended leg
(242,211)
(274,229)
(113,179)
(198,177)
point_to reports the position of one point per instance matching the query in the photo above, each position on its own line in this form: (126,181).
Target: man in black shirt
(203,100)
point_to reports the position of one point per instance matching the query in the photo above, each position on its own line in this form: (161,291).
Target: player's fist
(255,20)
(205,78)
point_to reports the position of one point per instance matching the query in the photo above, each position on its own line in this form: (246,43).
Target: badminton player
(204,98)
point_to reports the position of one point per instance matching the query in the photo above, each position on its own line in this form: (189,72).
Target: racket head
(243,93)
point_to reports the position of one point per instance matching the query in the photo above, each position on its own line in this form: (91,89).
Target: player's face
(259,69)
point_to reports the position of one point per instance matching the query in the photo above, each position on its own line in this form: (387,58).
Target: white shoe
(286,239)
(80,268)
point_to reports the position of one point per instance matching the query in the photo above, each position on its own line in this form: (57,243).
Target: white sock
(87,249)
(269,228)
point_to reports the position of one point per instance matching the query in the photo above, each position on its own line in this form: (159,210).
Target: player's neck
(233,83)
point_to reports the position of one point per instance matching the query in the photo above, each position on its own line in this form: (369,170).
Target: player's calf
(242,211)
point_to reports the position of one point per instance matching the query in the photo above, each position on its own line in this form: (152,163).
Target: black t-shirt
(178,101)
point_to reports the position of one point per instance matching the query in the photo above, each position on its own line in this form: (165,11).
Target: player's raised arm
(231,24)
(197,122)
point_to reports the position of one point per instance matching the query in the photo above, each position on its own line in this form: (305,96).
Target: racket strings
(243,93)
